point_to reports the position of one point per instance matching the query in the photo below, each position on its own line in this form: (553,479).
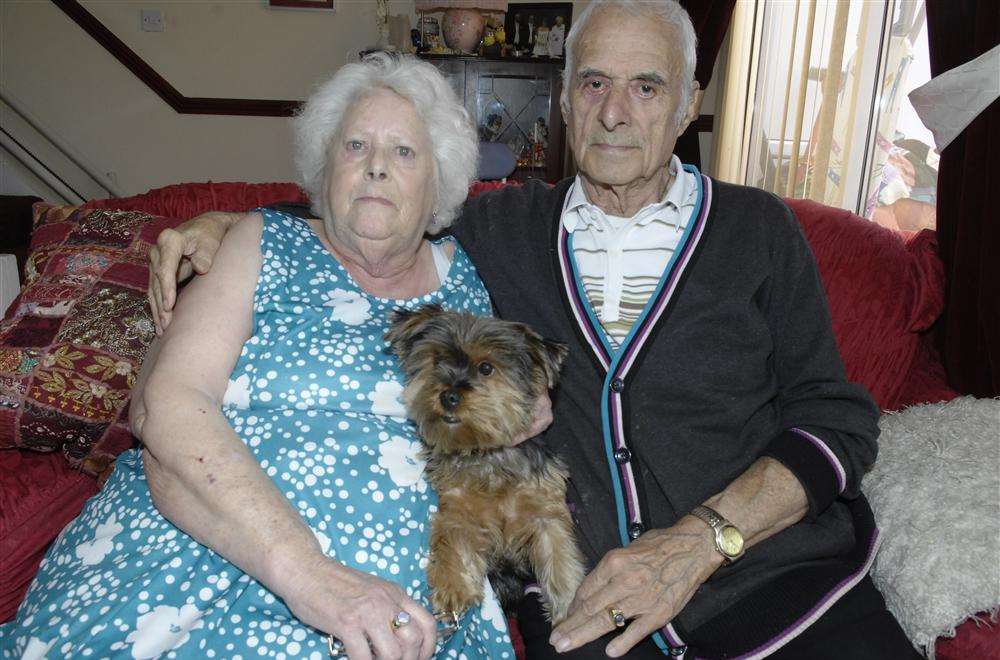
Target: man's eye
(406,152)
(355,145)
(647,90)
(595,84)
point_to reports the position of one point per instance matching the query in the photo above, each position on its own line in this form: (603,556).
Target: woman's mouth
(373,199)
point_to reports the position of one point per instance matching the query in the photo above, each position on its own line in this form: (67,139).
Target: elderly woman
(283,499)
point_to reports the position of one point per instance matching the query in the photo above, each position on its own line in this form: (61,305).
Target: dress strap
(441,261)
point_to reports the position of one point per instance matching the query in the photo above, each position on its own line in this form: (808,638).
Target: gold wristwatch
(728,539)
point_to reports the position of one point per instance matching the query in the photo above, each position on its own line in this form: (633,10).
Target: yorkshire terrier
(472,383)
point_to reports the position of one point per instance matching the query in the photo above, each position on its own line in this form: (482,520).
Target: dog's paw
(450,599)
(556,610)
(451,591)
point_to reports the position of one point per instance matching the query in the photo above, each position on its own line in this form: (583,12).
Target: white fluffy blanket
(935,489)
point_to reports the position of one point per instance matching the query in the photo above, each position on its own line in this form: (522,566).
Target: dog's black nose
(450,399)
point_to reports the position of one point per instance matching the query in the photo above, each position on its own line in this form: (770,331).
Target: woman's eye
(485,368)
(355,145)
(406,152)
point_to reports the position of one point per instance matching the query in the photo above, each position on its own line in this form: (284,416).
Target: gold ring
(401,619)
(617,617)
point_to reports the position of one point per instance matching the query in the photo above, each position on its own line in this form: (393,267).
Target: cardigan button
(623,455)
(617,385)
(635,530)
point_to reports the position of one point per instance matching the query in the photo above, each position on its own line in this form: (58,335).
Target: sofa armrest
(10,281)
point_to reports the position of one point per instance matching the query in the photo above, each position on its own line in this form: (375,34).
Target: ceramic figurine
(520,39)
(557,35)
(541,40)
(490,131)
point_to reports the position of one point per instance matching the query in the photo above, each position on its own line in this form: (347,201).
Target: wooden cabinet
(506,98)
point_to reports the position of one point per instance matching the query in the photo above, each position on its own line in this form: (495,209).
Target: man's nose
(614,108)
(450,399)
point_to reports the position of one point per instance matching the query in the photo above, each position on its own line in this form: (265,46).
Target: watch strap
(710,516)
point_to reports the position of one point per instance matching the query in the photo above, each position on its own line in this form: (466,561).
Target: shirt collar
(579,212)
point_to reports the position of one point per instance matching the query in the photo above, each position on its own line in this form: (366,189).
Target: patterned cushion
(72,343)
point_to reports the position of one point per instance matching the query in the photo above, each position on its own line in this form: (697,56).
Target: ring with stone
(617,617)
(401,619)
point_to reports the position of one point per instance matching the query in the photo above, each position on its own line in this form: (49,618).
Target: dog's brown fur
(502,507)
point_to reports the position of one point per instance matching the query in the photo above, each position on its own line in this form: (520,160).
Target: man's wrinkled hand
(650,581)
(179,253)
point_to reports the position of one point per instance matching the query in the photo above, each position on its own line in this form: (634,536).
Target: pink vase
(463,28)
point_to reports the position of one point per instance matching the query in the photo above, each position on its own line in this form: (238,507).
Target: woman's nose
(376,170)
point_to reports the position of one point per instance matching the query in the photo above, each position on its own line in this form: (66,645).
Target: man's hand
(653,578)
(178,254)
(650,581)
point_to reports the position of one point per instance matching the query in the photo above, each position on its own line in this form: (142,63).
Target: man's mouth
(613,147)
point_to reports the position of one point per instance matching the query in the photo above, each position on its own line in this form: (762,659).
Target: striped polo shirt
(620,260)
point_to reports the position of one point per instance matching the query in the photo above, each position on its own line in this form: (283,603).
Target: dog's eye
(485,368)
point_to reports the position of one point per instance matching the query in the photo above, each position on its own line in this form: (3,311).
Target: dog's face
(472,381)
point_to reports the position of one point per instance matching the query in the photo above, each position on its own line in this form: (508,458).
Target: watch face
(732,541)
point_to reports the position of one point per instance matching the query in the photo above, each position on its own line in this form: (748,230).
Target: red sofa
(885,291)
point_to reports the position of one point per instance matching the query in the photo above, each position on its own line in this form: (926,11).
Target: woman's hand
(358,609)
(541,419)
(180,252)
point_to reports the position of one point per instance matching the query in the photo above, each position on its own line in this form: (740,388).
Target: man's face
(623,99)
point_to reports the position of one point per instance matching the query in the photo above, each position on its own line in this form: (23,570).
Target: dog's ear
(550,355)
(407,326)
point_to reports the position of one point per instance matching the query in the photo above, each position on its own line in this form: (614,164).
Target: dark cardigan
(740,363)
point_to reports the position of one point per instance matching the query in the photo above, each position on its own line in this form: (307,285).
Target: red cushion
(39,495)
(883,292)
(973,639)
(186,200)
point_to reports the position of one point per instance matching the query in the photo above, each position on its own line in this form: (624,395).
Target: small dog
(472,383)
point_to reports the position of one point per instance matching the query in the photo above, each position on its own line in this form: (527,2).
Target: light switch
(151,20)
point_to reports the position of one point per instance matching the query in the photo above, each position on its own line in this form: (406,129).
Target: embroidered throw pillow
(72,343)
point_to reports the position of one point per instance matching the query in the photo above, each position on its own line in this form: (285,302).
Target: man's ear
(693,106)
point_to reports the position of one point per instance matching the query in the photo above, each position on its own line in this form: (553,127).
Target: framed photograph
(300,4)
(538,29)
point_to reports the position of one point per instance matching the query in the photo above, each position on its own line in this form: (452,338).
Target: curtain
(968,206)
(711,21)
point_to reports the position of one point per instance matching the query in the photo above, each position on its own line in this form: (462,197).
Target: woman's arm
(205,480)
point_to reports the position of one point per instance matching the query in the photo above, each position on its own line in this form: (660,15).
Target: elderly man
(715,448)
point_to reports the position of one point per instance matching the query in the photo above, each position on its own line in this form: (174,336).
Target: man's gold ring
(617,617)
(401,619)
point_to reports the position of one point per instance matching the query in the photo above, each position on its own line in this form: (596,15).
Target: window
(825,114)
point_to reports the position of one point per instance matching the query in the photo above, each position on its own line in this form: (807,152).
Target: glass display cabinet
(514,101)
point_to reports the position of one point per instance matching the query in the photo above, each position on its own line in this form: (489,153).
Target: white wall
(74,89)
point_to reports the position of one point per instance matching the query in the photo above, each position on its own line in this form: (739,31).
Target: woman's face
(380,175)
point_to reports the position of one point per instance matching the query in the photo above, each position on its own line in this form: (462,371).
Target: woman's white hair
(668,12)
(452,136)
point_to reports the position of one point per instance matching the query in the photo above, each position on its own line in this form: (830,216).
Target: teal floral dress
(315,395)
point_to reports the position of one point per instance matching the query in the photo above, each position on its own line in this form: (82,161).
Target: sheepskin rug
(935,489)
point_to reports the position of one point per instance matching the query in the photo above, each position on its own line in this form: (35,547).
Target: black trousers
(858,627)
